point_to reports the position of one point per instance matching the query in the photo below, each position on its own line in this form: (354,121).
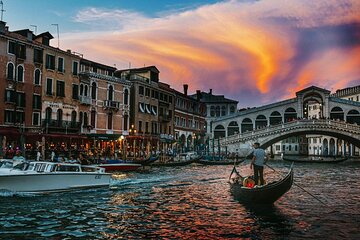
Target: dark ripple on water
(190,203)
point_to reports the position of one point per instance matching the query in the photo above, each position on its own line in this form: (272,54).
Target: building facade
(189,122)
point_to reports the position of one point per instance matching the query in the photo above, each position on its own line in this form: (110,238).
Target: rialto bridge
(271,123)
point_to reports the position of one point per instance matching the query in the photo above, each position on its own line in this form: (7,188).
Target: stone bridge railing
(275,130)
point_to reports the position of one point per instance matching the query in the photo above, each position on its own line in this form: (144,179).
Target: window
(37,102)
(170,99)
(10,71)
(36,119)
(20,100)
(37,77)
(110,122)
(10,96)
(141,90)
(9,116)
(75,68)
(86,90)
(223,111)
(20,117)
(146,127)
(147,92)
(73,119)
(93,118)
(126,119)
(75,91)
(61,64)
(12,47)
(140,127)
(232,109)
(86,120)
(59,117)
(110,93)
(93,91)
(81,89)
(60,88)
(38,55)
(48,113)
(21,51)
(20,74)
(126,97)
(50,62)
(49,87)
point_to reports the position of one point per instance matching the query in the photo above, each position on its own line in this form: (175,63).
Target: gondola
(266,194)
(220,162)
(176,163)
(314,160)
(147,161)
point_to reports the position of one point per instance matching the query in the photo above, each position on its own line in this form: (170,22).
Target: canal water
(192,202)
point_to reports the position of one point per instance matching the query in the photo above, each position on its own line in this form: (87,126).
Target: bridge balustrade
(296,124)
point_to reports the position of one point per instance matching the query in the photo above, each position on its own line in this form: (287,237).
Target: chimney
(198,95)
(186,89)
(3,27)
(210,92)
(68,51)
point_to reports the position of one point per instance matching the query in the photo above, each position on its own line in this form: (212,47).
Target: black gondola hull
(266,194)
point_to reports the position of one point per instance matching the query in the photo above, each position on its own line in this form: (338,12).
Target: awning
(72,136)
(103,136)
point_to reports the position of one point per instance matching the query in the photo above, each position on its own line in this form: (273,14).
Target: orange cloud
(255,52)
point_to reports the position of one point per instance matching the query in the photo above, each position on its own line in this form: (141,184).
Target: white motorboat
(7,164)
(42,177)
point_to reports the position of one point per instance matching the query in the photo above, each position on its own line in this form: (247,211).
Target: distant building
(190,122)
(216,106)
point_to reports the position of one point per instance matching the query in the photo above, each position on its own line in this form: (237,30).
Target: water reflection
(190,203)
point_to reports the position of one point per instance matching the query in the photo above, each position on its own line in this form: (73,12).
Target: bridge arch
(260,121)
(353,116)
(311,99)
(219,131)
(275,118)
(233,128)
(339,135)
(246,125)
(290,114)
(337,113)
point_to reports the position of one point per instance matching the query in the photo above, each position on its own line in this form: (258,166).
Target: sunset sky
(256,52)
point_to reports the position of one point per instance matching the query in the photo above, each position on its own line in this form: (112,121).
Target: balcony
(85,100)
(52,125)
(164,118)
(111,104)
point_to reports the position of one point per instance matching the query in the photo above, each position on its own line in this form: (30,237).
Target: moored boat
(314,159)
(266,194)
(220,162)
(43,177)
(179,162)
(119,166)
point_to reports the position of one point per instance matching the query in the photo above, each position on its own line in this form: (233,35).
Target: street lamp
(122,143)
(132,131)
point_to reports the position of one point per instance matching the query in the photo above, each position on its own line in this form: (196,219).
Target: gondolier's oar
(300,187)
(234,170)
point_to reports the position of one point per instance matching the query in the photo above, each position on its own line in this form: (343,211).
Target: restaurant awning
(103,136)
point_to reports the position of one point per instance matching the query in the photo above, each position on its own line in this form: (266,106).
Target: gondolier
(257,162)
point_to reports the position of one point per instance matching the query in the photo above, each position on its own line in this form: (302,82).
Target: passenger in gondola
(257,162)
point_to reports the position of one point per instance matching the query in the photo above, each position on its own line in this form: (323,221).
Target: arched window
(86,120)
(81,89)
(37,77)
(218,111)
(73,118)
(111,93)
(86,90)
(48,112)
(212,111)
(59,117)
(219,131)
(126,97)
(93,90)
(93,118)
(246,125)
(232,109)
(10,71)
(81,117)
(20,73)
